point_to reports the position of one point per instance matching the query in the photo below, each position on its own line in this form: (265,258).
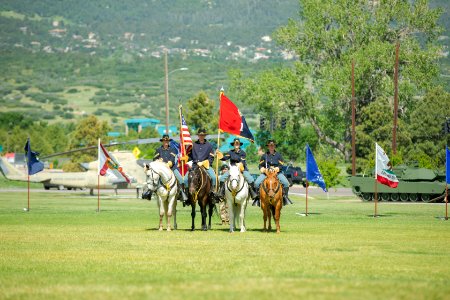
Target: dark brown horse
(271,195)
(199,189)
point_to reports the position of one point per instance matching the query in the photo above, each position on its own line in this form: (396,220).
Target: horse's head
(271,183)
(235,178)
(194,178)
(153,177)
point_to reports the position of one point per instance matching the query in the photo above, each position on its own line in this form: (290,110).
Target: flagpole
(218,141)
(306,210)
(98,177)
(376,199)
(181,141)
(376,187)
(446,201)
(28,207)
(98,193)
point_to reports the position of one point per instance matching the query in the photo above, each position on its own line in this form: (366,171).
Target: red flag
(231,120)
(186,143)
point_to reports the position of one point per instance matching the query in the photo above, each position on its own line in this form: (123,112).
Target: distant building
(173,130)
(139,124)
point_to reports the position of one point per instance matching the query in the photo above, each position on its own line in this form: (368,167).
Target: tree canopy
(316,90)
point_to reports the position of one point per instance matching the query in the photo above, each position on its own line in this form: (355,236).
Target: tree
(328,37)
(200,113)
(428,139)
(87,133)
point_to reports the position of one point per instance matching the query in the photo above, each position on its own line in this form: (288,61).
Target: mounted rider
(235,156)
(168,155)
(202,154)
(273,159)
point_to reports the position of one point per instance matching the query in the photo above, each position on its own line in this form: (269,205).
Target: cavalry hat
(201,131)
(223,167)
(236,140)
(271,142)
(165,137)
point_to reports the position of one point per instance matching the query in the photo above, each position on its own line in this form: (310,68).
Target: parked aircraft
(88,180)
(82,180)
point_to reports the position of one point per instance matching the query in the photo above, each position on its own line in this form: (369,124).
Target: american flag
(186,142)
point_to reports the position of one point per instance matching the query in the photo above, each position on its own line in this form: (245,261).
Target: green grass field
(63,248)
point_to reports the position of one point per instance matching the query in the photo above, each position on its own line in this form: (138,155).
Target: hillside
(65,59)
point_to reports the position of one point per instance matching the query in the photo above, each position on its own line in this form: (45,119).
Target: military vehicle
(414,184)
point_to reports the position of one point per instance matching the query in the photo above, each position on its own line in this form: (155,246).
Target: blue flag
(33,163)
(175,146)
(312,171)
(447,164)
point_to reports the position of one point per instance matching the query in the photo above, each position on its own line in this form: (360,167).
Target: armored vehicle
(414,184)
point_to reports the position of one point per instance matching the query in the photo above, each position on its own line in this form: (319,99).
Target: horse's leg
(231,215)
(193,216)
(277,214)
(242,216)
(263,207)
(174,212)
(161,212)
(167,207)
(269,217)
(210,212)
(204,214)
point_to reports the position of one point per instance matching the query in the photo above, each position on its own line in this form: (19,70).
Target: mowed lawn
(63,248)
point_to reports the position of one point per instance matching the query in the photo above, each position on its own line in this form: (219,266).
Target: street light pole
(166,89)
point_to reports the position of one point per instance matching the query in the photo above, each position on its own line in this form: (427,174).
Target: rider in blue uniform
(273,159)
(202,154)
(236,155)
(168,154)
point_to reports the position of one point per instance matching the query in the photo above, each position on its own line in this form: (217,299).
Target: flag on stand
(185,143)
(33,163)
(231,120)
(312,170)
(383,168)
(108,165)
(447,165)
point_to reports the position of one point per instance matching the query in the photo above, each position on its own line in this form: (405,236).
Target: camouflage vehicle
(414,184)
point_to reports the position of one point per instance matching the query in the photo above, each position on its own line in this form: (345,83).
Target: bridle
(240,187)
(157,180)
(202,182)
(271,188)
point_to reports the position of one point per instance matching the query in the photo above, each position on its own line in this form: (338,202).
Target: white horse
(161,179)
(237,196)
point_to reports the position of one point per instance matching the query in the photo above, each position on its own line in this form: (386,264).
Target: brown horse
(271,195)
(199,188)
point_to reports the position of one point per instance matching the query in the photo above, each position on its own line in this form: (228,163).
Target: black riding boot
(251,189)
(184,196)
(286,200)
(221,192)
(256,201)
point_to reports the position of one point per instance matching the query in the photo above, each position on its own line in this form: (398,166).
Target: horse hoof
(243,230)
(160,229)
(168,229)
(231,231)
